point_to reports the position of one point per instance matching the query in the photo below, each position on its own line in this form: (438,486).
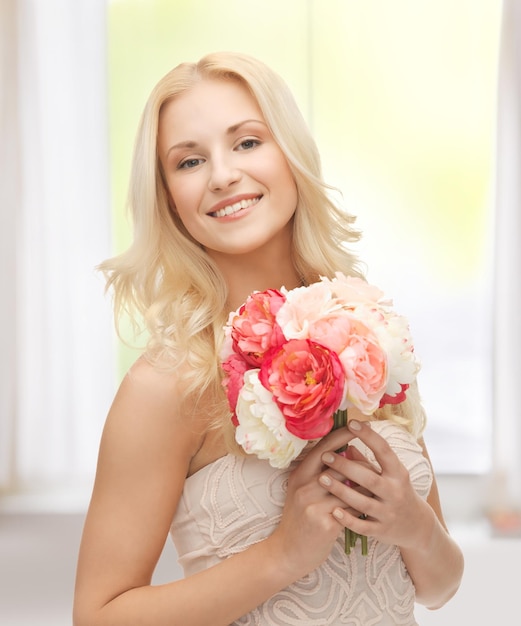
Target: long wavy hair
(167,284)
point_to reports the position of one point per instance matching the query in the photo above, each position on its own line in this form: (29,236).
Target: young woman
(227,198)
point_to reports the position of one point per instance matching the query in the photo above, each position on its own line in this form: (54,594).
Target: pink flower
(365,368)
(307,383)
(305,306)
(254,329)
(333,332)
(234,367)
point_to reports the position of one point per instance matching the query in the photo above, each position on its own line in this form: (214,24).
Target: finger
(355,521)
(354,501)
(312,464)
(387,459)
(349,502)
(343,464)
(361,475)
(343,471)
(354,454)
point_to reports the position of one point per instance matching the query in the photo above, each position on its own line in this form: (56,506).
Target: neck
(244,275)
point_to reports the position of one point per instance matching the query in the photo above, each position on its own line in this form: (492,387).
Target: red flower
(234,367)
(254,329)
(307,383)
(396,399)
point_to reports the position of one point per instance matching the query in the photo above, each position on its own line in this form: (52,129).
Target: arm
(145,454)
(398,515)
(438,583)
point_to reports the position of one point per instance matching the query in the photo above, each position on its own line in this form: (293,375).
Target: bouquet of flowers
(294,360)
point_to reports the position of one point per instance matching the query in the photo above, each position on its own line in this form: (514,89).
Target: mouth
(231,209)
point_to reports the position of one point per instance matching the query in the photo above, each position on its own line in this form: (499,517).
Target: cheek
(288,184)
(292,191)
(286,178)
(183,199)
(279,177)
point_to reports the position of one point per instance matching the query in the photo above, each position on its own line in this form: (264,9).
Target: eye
(189,164)
(248,144)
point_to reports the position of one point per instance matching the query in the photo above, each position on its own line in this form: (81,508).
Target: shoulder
(148,413)
(145,378)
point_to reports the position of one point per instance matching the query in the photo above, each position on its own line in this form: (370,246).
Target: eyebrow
(229,131)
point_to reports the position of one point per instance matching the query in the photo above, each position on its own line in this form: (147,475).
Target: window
(405,119)
(401,99)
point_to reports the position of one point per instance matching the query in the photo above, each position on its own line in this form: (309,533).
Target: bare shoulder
(146,383)
(147,413)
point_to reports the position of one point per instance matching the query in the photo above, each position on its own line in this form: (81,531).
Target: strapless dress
(237,501)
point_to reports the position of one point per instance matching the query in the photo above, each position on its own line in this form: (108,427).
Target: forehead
(210,104)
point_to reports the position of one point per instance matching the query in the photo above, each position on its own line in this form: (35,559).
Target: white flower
(395,339)
(227,344)
(350,290)
(262,430)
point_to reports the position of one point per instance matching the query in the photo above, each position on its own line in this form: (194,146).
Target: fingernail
(328,457)
(355,425)
(325,480)
(338,513)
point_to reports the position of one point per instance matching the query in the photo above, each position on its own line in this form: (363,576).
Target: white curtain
(507,283)
(56,356)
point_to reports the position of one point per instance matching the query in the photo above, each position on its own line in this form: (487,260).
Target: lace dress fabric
(237,501)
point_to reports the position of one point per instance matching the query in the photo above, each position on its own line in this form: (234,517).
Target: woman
(227,198)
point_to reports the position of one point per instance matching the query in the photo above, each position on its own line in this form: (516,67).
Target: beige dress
(237,501)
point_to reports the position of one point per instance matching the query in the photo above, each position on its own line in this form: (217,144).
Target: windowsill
(74,500)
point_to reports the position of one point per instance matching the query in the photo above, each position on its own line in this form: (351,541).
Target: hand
(351,452)
(308,528)
(393,508)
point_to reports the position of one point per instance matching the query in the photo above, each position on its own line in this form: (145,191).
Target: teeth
(233,208)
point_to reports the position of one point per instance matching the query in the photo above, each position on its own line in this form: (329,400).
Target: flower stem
(364,544)
(340,421)
(350,537)
(347,540)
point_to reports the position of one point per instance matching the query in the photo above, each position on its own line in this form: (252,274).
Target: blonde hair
(165,280)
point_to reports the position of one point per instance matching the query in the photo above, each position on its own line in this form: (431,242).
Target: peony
(227,345)
(294,358)
(397,398)
(254,329)
(395,339)
(352,291)
(234,367)
(305,306)
(307,383)
(365,369)
(261,428)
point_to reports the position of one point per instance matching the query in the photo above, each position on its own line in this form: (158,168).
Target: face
(228,179)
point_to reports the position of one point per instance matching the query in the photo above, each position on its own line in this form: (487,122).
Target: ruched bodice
(237,501)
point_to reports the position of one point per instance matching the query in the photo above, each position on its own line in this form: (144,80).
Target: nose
(223,172)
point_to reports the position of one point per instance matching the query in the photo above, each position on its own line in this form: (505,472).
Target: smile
(234,208)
